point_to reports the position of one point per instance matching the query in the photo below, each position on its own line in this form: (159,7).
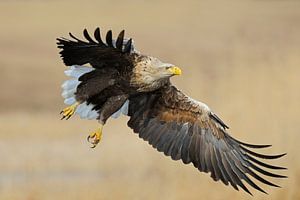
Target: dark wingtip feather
(127,48)
(97,36)
(75,38)
(257,187)
(262,155)
(109,38)
(88,37)
(119,43)
(265,164)
(259,178)
(60,42)
(245,189)
(256,146)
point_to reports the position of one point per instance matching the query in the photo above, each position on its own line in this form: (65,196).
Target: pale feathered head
(153,69)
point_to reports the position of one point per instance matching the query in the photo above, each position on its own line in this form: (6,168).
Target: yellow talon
(95,137)
(69,111)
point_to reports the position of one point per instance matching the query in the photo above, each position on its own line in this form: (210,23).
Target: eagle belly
(86,110)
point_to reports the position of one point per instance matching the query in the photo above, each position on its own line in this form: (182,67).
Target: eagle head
(157,69)
(150,73)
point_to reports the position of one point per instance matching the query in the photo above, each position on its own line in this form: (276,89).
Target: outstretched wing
(113,53)
(188,130)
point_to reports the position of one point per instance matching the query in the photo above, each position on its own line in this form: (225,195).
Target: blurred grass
(239,57)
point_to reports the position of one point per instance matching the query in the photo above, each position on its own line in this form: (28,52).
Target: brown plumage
(122,79)
(184,129)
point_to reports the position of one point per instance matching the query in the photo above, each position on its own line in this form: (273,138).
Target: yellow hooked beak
(175,70)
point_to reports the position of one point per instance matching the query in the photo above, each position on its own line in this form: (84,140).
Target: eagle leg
(69,111)
(112,105)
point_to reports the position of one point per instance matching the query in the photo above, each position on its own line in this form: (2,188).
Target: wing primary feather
(184,150)
(256,146)
(233,175)
(200,156)
(193,153)
(75,38)
(215,174)
(261,179)
(266,172)
(127,48)
(264,164)
(220,166)
(109,38)
(181,146)
(177,144)
(88,37)
(242,166)
(206,156)
(97,36)
(241,174)
(185,146)
(119,43)
(262,155)
(199,151)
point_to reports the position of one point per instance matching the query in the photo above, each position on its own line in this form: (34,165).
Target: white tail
(69,88)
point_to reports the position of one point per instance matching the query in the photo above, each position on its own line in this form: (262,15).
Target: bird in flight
(110,77)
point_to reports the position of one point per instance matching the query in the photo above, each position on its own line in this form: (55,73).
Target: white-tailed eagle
(111,77)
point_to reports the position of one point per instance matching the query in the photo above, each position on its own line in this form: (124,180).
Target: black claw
(63,117)
(91,142)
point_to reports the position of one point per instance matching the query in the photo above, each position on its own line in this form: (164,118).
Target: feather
(78,40)
(128,47)
(76,71)
(70,101)
(97,36)
(70,84)
(264,164)
(185,144)
(86,111)
(109,38)
(119,43)
(116,114)
(262,155)
(124,108)
(88,37)
(68,93)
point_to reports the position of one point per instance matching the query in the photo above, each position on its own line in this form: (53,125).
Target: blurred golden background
(242,58)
